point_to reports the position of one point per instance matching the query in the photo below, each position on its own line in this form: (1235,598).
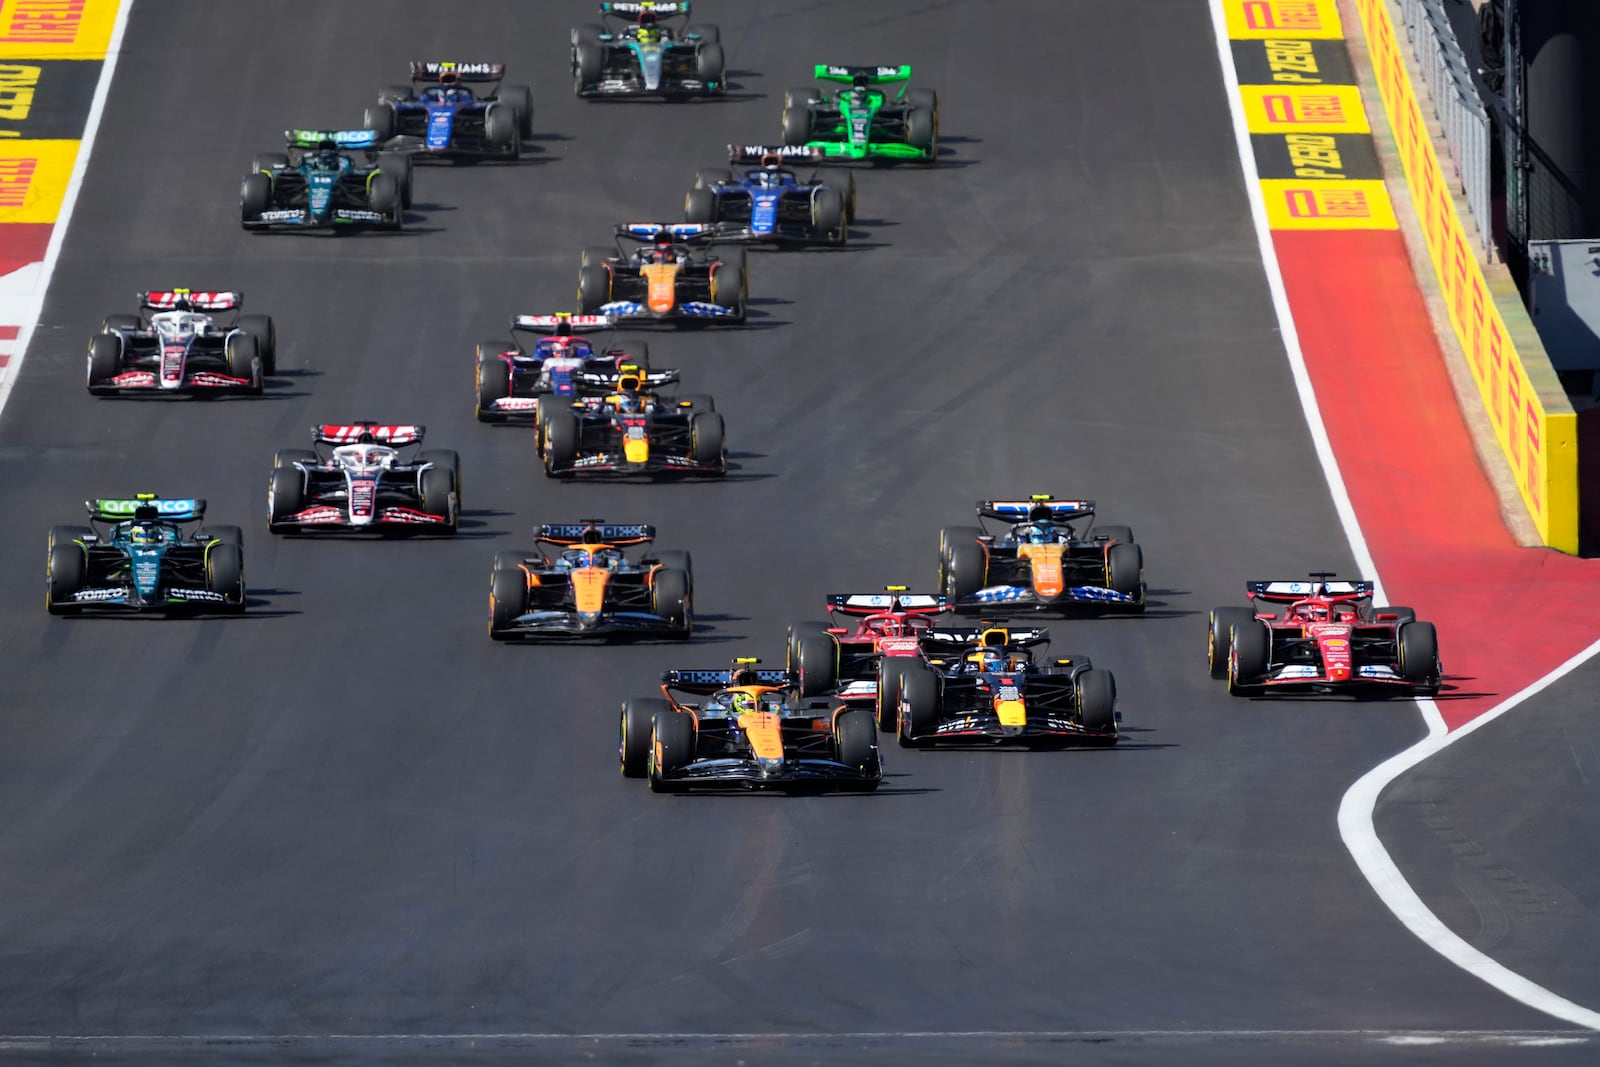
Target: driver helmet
(742,703)
(1040,533)
(888,626)
(986,659)
(1314,612)
(145,534)
(628,398)
(662,253)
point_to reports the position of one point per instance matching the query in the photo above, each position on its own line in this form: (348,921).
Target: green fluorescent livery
(864,121)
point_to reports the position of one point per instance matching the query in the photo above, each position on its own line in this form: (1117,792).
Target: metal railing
(1442,66)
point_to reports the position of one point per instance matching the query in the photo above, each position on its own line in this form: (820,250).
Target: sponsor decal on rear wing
(119,509)
(699,681)
(788,153)
(874,75)
(947,637)
(632,11)
(1020,510)
(190,300)
(334,433)
(872,603)
(562,323)
(676,231)
(1298,590)
(337,138)
(427,70)
(611,533)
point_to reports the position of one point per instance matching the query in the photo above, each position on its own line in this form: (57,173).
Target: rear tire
(917,718)
(966,570)
(855,741)
(380,120)
(798,631)
(262,328)
(706,31)
(268,161)
(633,733)
(802,98)
(1403,615)
(700,205)
(678,560)
(1097,703)
(796,125)
(508,598)
(672,736)
(708,177)
(1220,643)
(520,100)
(227,535)
(669,598)
(594,288)
(391,93)
(816,657)
(1120,534)
(288,457)
(1252,654)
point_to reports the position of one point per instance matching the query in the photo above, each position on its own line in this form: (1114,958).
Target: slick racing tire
(796,125)
(588,62)
(543,408)
(925,98)
(387,200)
(1251,655)
(709,64)
(890,670)
(493,381)
(706,31)
(801,98)
(288,457)
(671,747)
(828,215)
(438,486)
(706,438)
(285,497)
(965,570)
(227,535)
(1402,615)
(844,181)
(508,598)
(708,177)
(678,560)
(255,196)
(244,358)
(105,359)
(1220,637)
(700,205)
(265,331)
(510,559)
(1125,569)
(730,281)
(633,733)
(446,459)
(917,718)
(594,288)
(669,598)
(68,569)
(397,165)
(520,99)
(799,631)
(500,131)
(1122,534)
(1097,703)
(1418,643)
(921,132)
(380,120)
(116,323)
(855,742)
(560,443)
(816,659)
(225,574)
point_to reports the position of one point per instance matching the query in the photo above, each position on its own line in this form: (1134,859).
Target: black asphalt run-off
(350,813)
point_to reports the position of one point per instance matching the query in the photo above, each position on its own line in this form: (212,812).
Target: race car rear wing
(704,682)
(348,433)
(310,139)
(1022,510)
(630,12)
(145,507)
(433,70)
(950,638)
(873,603)
(1286,592)
(872,75)
(562,324)
(571,533)
(190,300)
(652,380)
(682,232)
(788,153)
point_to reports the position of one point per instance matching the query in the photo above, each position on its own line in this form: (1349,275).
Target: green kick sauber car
(864,122)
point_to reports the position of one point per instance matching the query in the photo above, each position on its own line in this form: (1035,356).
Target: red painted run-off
(1506,615)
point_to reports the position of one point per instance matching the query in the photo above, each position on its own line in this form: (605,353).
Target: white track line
(1356,810)
(24,313)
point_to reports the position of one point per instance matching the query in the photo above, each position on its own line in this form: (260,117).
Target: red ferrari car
(1322,635)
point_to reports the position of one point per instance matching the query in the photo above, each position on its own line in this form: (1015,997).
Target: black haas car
(183,342)
(356,478)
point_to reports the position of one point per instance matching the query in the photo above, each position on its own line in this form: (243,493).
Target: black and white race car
(361,482)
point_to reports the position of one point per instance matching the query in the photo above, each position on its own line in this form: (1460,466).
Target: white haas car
(356,478)
(183,341)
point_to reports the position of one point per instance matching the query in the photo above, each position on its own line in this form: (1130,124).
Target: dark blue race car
(139,555)
(440,116)
(769,202)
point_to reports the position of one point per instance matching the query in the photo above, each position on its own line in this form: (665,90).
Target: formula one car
(590,588)
(514,380)
(985,685)
(643,57)
(634,432)
(1041,560)
(362,483)
(665,278)
(753,729)
(859,663)
(1322,635)
(439,116)
(141,554)
(863,122)
(317,184)
(175,344)
(769,203)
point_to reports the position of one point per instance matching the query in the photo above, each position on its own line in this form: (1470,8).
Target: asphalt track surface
(350,813)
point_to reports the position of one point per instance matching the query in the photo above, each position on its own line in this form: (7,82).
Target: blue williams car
(145,554)
(441,116)
(769,202)
(644,57)
(319,184)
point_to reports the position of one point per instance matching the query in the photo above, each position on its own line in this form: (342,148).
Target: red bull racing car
(1322,635)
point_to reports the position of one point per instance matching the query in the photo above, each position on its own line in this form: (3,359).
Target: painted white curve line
(1357,809)
(23,307)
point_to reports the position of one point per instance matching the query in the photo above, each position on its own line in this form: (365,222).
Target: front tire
(856,746)
(706,439)
(1419,654)
(1097,703)
(917,721)
(1220,637)
(633,733)
(225,575)
(671,748)
(560,443)
(493,381)
(105,359)
(508,598)
(285,498)
(669,598)
(1252,654)
(68,570)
